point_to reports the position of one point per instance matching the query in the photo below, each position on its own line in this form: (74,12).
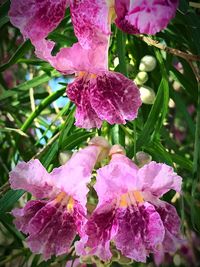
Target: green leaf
(155,116)
(17,55)
(75,139)
(4,13)
(47,101)
(38,80)
(9,199)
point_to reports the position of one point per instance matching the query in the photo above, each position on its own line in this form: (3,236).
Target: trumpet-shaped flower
(144,16)
(58,213)
(130,212)
(98,93)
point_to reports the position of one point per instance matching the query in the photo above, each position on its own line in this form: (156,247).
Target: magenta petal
(144,16)
(32,177)
(140,231)
(114,97)
(23,216)
(90,20)
(36,18)
(158,178)
(99,230)
(51,228)
(171,222)
(79,93)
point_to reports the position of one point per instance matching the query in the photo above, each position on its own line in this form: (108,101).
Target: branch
(176,52)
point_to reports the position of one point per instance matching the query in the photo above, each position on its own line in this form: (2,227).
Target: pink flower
(144,16)
(129,211)
(58,213)
(98,93)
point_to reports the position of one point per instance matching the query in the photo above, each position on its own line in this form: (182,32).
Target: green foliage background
(33,126)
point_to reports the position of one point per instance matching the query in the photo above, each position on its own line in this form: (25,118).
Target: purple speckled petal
(171,222)
(99,230)
(36,18)
(90,20)
(116,178)
(51,228)
(109,96)
(140,231)
(158,178)
(144,16)
(78,92)
(114,97)
(32,177)
(24,215)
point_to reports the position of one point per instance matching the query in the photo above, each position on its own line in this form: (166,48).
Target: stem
(121,52)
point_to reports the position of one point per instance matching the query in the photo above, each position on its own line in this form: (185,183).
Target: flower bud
(147,95)
(147,63)
(142,158)
(141,78)
(117,149)
(103,144)
(64,157)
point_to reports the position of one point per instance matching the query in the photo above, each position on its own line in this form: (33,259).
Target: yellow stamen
(138,196)
(123,201)
(70,204)
(60,197)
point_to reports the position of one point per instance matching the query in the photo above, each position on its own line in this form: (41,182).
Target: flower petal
(116,178)
(35,18)
(78,92)
(114,97)
(90,21)
(99,230)
(32,177)
(158,178)
(23,216)
(140,231)
(52,231)
(73,177)
(144,16)
(171,222)
(51,228)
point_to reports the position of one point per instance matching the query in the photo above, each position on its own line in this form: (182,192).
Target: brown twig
(176,52)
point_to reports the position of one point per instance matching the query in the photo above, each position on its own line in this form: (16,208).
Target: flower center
(131,198)
(86,75)
(65,200)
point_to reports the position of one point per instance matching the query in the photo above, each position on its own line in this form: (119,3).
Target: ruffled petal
(23,216)
(114,97)
(116,178)
(108,96)
(78,92)
(35,18)
(73,177)
(34,178)
(144,16)
(50,226)
(90,21)
(171,222)
(67,60)
(158,178)
(99,230)
(140,231)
